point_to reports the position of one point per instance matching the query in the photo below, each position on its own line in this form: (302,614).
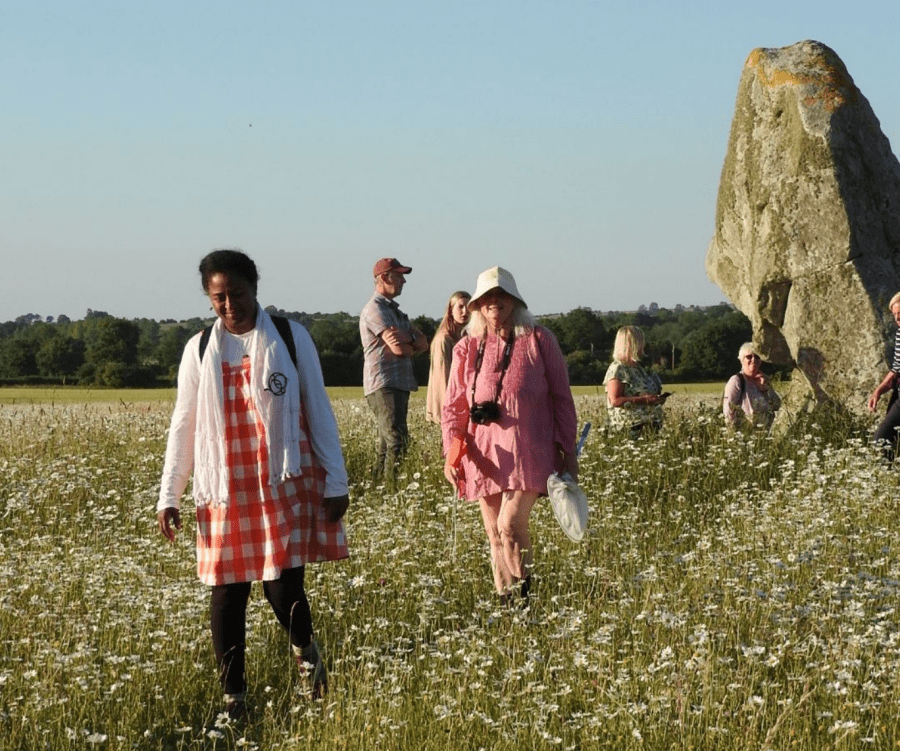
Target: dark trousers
(228,621)
(390,407)
(886,435)
(645,428)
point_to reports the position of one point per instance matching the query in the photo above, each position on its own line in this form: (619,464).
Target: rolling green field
(734,591)
(81,395)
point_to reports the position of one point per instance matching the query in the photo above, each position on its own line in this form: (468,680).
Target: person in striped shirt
(886,433)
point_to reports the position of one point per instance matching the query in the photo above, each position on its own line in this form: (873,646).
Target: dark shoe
(312,670)
(235,706)
(526,588)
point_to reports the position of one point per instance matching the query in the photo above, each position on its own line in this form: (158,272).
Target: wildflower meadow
(734,591)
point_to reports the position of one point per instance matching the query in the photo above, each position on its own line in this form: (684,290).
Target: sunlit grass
(81,395)
(92,395)
(734,591)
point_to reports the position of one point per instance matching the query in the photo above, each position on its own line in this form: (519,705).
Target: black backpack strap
(204,340)
(743,382)
(284,329)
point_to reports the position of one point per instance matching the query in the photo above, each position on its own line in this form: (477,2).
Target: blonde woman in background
(450,331)
(632,394)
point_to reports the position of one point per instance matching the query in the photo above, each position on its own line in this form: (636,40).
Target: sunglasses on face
(750,358)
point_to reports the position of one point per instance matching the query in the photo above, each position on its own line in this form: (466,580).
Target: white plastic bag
(567,500)
(569,504)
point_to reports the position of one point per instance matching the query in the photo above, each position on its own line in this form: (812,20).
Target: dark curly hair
(231,262)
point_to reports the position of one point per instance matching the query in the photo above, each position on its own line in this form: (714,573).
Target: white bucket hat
(495,278)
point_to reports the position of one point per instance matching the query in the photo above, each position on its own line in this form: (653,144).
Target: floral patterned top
(635,382)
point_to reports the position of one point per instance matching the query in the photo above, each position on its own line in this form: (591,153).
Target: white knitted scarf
(275,390)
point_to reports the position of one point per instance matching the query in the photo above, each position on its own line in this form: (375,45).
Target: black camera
(484,412)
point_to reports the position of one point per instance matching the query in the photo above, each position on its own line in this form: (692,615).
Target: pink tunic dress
(262,530)
(519,451)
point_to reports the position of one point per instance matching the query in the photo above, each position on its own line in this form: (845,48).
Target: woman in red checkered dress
(253,423)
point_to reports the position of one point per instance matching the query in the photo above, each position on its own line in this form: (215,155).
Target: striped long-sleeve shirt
(895,366)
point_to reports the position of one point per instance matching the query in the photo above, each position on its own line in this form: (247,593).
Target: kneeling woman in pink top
(508,421)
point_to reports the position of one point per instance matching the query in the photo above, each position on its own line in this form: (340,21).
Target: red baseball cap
(389,264)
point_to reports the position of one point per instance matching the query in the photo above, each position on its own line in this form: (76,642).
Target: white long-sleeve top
(323,432)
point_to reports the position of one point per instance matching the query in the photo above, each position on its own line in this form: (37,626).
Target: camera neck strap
(479,359)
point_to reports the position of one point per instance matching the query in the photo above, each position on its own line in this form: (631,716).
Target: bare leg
(490,510)
(505,518)
(515,509)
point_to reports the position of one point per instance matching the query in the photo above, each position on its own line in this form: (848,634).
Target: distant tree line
(98,350)
(684,343)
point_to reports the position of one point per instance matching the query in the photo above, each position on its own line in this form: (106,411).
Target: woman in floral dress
(633,395)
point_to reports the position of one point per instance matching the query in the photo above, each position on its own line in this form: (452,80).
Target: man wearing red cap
(389,342)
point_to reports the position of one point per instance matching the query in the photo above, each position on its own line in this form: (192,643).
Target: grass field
(82,395)
(733,592)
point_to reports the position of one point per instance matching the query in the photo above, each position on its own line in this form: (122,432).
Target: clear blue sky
(578,144)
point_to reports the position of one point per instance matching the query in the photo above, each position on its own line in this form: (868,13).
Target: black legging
(886,434)
(228,621)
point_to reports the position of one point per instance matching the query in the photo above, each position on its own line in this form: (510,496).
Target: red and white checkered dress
(262,530)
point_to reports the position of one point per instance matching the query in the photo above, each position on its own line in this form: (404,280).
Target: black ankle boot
(526,587)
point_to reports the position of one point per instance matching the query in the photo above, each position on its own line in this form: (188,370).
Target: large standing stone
(807,239)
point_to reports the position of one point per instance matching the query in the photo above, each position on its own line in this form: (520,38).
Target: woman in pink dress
(254,424)
(508,422)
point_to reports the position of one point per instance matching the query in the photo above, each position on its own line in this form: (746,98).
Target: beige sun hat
(496,277)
